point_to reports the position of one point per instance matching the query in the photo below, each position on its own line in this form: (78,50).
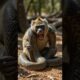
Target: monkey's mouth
(41,36)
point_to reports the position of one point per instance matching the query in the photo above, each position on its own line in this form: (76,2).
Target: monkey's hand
(52,52)
(8,65)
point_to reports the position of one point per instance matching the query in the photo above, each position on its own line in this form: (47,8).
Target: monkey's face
(40,28)
(40,31)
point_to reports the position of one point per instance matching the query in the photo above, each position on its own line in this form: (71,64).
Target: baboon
(39,45)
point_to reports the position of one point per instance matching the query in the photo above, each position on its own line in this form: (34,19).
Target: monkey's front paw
(51,53)
(53,50)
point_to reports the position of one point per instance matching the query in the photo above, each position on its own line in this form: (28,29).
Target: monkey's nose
(40,30)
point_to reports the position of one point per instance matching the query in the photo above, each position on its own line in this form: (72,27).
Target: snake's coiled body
(38,65)
(41,62)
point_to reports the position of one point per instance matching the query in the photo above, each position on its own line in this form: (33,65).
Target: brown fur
(32,44)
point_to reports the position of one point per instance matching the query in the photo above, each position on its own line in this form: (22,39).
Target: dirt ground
(50,73)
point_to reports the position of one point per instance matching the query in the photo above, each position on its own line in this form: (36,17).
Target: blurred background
(42,7)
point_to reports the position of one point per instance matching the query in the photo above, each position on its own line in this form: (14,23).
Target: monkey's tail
(38,65)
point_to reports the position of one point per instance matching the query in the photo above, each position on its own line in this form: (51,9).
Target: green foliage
(42,6)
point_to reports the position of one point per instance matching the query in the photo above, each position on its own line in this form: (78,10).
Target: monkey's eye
(40,26)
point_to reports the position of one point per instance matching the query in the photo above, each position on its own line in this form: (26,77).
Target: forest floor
(50,73)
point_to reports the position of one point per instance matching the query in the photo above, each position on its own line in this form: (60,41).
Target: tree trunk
(52,5)
(31,1)
(22,16)
(40,6)
(71,39)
